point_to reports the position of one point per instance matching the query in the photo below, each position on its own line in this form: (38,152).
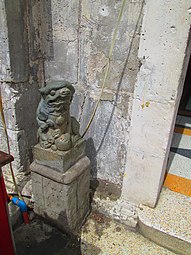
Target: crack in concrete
(82,108)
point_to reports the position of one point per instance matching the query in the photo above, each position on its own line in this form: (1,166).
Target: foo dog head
(56,128)
(57,94)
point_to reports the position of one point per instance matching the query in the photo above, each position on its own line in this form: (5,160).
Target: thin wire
(108,66)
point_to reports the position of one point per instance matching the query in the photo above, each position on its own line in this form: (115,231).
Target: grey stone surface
(19,76)
(98,19)
(72,38)
(62,177)
(16,15)
(58,160)
(81,42)
(107,138)
(64,63)
(120,210)
(65,203)
(20,103)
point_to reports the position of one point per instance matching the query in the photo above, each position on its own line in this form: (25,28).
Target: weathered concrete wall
(164,53)
(81,38)
(129,138)
(20,78)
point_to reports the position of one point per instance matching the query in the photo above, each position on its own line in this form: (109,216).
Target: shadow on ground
(38,238)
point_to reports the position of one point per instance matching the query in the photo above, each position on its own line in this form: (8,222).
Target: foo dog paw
(63,143)
(45,144)
(56,133)
(54,147)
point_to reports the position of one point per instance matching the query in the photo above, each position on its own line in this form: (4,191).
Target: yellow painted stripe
(178,184)
(181,130)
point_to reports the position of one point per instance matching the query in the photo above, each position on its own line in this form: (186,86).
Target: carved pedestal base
(62,197)
(59,160)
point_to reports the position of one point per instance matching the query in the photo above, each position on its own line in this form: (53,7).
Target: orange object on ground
(178,184)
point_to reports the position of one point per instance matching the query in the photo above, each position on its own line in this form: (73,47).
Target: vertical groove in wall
(27,30)
(16,15)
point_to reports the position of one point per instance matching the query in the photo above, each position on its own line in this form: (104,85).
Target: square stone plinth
(62,198)
(59,160)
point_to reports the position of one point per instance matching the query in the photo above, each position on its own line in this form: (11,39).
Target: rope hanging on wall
(8,147)
(107,66)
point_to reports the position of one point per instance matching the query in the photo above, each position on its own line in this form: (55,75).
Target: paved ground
(106,237)
(99,236)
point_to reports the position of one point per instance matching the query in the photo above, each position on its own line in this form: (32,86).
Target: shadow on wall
(40,31)
(26,120)
(40,46)
(91,150)
(47,30)
(92,155)
(137,28)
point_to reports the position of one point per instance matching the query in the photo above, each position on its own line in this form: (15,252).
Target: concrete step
(169,224)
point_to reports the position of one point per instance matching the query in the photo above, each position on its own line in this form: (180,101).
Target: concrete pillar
(60,183)
(164,53)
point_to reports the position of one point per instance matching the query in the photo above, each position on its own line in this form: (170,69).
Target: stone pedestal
(61,195)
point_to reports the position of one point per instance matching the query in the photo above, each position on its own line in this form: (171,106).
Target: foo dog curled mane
(57,129)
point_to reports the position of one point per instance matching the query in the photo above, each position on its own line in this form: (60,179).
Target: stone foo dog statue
(57,129)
